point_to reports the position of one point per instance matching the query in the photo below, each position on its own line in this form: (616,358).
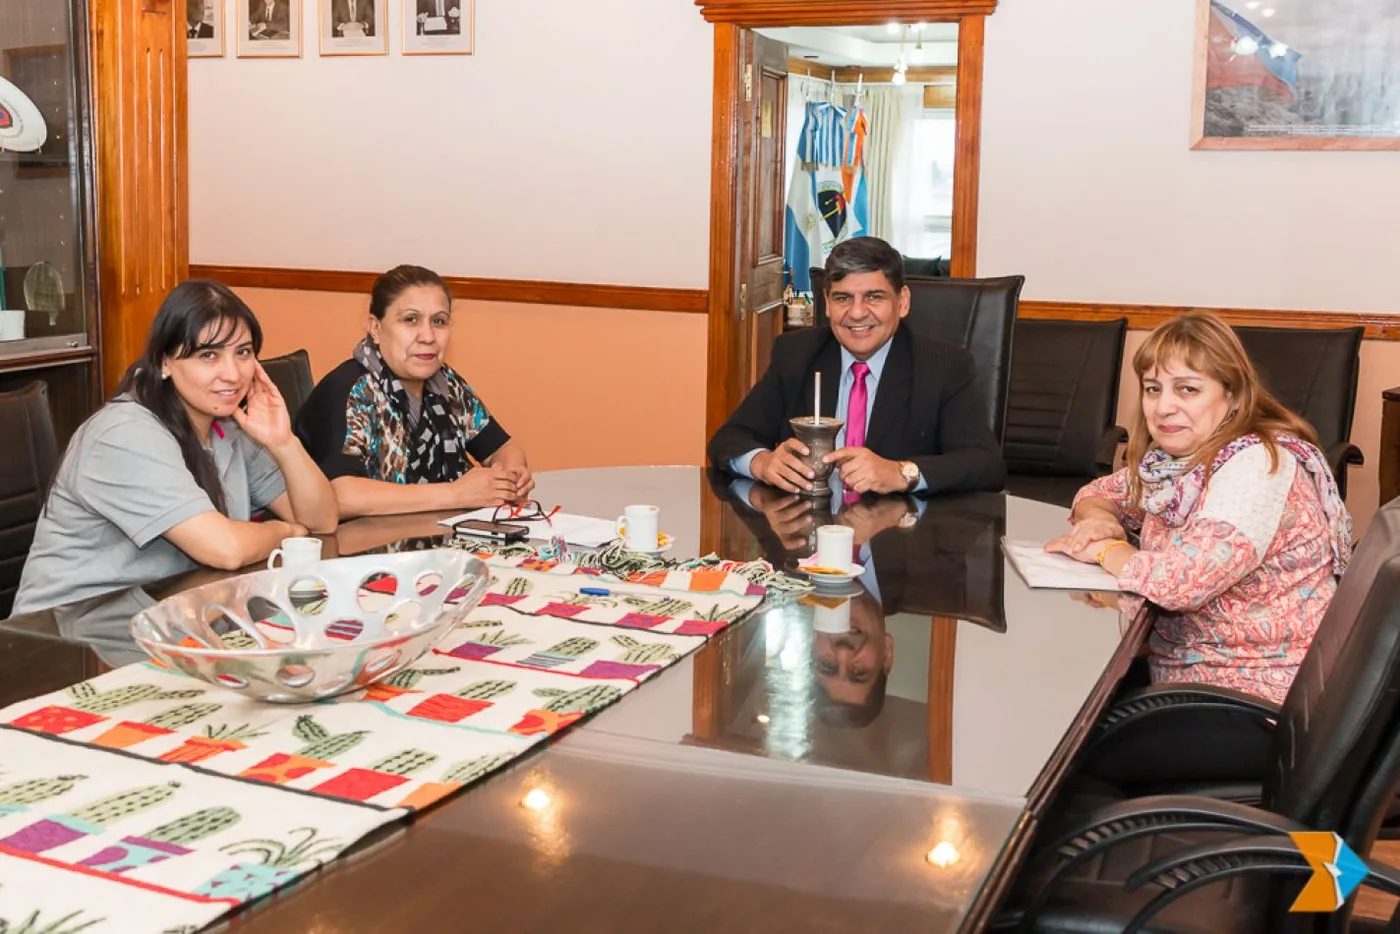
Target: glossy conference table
(735,791)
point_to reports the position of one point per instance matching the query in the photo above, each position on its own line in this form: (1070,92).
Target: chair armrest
(1191,868)
(1144,701)
(1108,448)
(1144,728)
(1342,453)
(1144,817)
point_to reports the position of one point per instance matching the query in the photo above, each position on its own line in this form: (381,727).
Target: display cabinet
(48,258)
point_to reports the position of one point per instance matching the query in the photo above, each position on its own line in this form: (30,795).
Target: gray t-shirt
(121,486)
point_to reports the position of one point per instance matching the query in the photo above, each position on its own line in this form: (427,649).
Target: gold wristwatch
(911,473)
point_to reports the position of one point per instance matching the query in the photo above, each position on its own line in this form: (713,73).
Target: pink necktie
(855,415)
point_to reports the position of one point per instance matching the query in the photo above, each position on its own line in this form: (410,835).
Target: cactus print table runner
(146,801)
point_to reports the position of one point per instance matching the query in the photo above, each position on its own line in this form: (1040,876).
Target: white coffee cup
(296,553)
(835,544)
(833,617)
(640,528)
(12,324)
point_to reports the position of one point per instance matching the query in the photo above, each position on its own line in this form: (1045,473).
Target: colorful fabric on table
(145,801)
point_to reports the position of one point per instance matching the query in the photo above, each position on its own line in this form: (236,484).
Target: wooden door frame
(723,386)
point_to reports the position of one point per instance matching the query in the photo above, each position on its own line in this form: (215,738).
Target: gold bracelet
(1104,551)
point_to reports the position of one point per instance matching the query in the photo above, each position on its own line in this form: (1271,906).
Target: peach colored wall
(580,387)
(1380,370)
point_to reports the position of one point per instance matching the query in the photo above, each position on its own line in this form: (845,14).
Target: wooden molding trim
(839,12)
(968,146)
(1379,325)
(919,74)
(722,392)
(522,291)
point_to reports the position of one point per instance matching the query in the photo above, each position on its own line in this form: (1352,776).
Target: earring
(164,374)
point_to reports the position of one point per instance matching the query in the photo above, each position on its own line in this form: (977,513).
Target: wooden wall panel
(138,78)
(967,160)
(839,12)
(520,291)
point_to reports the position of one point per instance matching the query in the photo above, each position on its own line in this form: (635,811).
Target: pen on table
(595,591)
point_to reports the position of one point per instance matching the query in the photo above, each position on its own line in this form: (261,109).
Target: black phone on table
(499,531)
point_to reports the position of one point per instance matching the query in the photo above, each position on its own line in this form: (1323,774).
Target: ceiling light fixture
(1269,12)
(892,28)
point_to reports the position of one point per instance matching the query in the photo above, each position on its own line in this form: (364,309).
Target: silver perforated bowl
(293,635)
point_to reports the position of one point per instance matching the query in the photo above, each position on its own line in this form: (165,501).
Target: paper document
(1040,569)
(576,530)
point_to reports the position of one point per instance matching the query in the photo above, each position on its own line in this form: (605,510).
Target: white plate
(821,577)
(667,542)
(22,127)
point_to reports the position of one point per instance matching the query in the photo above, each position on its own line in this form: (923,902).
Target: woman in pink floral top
(1241,533)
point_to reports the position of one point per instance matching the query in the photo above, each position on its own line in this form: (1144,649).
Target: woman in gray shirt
(168,473)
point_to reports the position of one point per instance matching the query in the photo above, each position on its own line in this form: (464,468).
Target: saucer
(666,543)
(829,576)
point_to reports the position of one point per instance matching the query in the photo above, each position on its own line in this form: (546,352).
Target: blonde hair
(1206,344)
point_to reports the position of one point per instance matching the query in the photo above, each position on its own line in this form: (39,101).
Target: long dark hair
(389,286)
(187,312)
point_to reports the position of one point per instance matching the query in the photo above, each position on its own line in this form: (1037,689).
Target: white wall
(1090,189)
(573,146)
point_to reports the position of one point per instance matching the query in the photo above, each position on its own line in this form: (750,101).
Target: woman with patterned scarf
(1240,531)
(395,428)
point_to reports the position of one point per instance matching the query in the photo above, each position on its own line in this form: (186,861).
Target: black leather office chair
(976,314)
(292,375)
(1314,373)
(936,268)
(27,461)
(1060,430)
(1332,764)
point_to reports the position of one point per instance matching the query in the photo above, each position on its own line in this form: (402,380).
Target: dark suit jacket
(340,13)
(949,564)
(279,24)
(200,31)
(454,23)
(926,408)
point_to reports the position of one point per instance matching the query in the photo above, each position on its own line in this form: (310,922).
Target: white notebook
(1042,570)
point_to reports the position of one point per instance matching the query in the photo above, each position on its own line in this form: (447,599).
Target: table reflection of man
(269,19)
(439,17)
(938,557)
(853,667)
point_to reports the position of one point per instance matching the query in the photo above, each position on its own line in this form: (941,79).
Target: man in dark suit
(195,26)
(912,419)
(344,12)
(440,17)
(269,19)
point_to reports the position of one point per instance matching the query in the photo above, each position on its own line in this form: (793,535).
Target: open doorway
(870,143)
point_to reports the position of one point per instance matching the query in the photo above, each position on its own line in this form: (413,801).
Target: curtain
(889,156)
(906,228)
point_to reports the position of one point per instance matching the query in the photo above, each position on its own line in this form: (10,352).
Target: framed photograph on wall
(204,28)
(439,27)
(269,28)
(354,27)
(1281,75)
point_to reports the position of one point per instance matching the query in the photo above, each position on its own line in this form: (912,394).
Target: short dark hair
(865,254)
(837,713)
(395,282)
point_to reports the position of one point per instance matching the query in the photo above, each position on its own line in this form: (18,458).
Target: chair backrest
(978,315)
(819,318)
(935,268)
(1064,395)
(27,461)
(1313,373)
(1336,750)
(292,375)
